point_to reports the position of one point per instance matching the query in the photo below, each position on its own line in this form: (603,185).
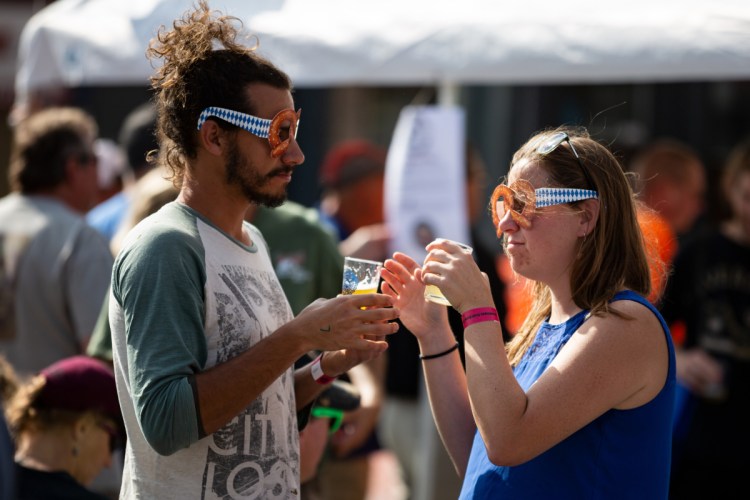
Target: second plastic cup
(433,293)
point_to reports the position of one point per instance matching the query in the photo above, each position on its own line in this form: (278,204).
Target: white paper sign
(425,179)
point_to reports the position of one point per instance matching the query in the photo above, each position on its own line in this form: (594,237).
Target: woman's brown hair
(612,256)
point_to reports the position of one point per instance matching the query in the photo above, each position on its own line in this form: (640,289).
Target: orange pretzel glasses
(523,201)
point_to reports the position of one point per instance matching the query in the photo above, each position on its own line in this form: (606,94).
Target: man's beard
(240,172)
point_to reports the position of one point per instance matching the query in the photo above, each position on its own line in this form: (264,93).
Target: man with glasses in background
(54,268)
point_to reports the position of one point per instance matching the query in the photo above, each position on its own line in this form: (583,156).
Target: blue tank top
(621,454)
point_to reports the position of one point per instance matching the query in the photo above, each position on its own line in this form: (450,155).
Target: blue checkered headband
(546,197)
(256,126)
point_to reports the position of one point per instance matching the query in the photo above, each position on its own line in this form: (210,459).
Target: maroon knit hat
(80,383)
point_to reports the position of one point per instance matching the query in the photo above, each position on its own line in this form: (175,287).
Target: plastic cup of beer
(433,293)
(360,276)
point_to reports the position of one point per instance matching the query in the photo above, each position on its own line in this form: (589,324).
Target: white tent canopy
(408,42)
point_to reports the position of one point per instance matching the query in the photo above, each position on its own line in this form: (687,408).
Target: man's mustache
(280,170)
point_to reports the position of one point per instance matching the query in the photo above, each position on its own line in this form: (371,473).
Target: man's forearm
(226,389)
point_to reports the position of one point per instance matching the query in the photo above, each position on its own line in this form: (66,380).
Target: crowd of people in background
(160,312)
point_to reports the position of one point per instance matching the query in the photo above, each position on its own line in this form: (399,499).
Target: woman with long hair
(579,403)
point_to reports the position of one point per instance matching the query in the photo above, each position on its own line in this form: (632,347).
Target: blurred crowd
(75,197)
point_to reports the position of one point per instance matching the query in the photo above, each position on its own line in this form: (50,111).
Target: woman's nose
(507,224)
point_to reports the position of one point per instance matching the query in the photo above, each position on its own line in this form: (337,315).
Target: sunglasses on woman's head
(279,131)
(522,201)
(553,142)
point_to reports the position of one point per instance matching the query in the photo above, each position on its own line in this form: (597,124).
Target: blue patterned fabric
(546,197)
(256,126)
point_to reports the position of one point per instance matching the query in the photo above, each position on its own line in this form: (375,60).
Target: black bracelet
(433,356)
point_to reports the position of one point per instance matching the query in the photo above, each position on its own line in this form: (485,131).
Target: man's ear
(589,216)
(74,168)
(212,137)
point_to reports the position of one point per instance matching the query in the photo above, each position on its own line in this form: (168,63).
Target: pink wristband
(479,315)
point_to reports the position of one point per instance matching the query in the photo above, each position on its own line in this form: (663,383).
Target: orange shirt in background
(661,247)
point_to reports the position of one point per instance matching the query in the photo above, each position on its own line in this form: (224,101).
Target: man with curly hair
(204,339)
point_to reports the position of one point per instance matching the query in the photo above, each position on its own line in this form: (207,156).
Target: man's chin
(274,203)
(270,201)
(268,196)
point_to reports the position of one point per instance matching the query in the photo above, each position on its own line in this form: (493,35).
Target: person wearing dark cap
(352,176)
(65,421)
(137,139)
(8,386)
(7,471)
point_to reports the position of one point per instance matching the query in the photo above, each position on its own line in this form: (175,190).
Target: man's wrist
(317,371)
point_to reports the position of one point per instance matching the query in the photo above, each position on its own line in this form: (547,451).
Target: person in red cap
(65,422)
(352,176)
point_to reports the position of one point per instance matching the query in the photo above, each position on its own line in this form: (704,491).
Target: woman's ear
(78,429)
(589,217)
(84,423)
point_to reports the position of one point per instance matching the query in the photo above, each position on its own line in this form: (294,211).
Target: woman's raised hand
(453,270)
(403,282)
